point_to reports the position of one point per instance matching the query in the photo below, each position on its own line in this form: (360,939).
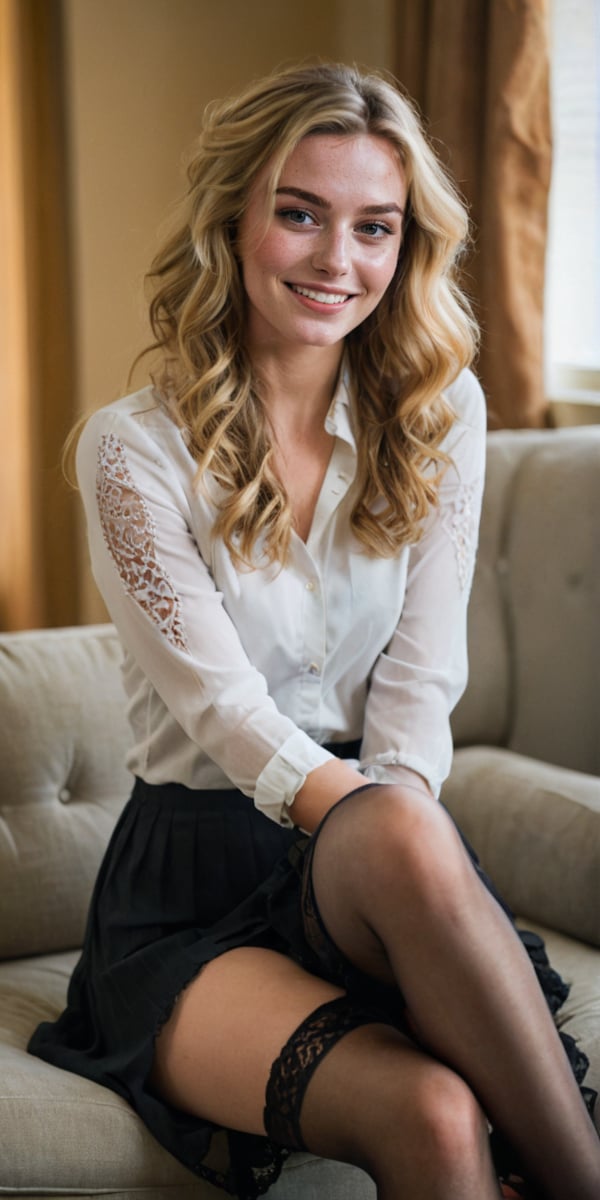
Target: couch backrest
(63,739)
(534,621)
(534,685)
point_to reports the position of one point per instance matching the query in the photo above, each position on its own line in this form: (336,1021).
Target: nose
(332,253)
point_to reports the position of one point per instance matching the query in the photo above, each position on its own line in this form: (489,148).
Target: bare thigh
(214,1055)
(409,1116)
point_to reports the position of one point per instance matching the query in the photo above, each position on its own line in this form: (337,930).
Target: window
(573,265)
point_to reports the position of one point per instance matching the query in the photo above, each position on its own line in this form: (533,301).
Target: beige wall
(139,73)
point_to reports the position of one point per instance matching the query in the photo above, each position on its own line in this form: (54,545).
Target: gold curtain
(38,541)
(479,70)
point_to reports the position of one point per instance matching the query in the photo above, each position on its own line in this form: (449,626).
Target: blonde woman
(287,939)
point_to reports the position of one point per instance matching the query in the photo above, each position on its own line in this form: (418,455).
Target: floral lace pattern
(129,533)
(461,525)
(300,1057)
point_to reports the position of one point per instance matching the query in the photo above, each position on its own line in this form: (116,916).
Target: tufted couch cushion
(555,602)
(534,648)
(63,736)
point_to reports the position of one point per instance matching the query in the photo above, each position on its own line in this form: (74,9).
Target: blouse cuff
(383,770)
(284,774)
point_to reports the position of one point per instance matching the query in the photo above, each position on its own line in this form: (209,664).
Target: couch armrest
(536,828)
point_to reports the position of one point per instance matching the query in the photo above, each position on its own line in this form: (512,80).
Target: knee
(450,1126)
(409,843)
(437,1134)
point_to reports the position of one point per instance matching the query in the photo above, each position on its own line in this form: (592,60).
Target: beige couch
(524,787)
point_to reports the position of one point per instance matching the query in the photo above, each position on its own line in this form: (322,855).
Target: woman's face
(331,247)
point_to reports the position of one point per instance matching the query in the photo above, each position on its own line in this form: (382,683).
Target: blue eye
(297,216)
(376,229)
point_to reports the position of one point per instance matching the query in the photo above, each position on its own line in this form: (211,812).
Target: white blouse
(236,677)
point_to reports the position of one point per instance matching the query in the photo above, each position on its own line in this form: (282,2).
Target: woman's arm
(421,675)
(170,616)
(423,671)
(327,784)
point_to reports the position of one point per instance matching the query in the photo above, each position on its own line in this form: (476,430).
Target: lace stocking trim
(293,1069)
(461,527)
(129,533)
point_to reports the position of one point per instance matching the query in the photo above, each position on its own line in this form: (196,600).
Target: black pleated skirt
(188,875)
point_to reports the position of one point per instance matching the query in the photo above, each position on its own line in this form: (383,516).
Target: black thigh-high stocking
(399,897)
(350,1087)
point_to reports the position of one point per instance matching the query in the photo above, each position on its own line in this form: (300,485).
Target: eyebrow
(311,198)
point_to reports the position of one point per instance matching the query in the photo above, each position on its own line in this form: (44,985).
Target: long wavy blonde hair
(401,358)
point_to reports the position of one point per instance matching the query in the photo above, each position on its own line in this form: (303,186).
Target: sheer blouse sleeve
(421,675)
(161,596)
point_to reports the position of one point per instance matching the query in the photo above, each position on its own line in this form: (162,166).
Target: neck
(298,386)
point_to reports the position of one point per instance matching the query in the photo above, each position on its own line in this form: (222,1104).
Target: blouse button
(314,669)
(310,586)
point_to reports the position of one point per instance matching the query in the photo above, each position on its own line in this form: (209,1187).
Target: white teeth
(322,297)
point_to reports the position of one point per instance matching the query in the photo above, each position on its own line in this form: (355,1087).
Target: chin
(321,337)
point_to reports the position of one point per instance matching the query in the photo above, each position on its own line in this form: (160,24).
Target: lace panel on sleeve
(129,533)
(461,525)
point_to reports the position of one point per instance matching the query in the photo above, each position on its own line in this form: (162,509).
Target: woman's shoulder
(466,399)
(134,433)
(139,422)
(139,410)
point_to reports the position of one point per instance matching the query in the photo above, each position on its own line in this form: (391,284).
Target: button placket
(315,640)
(314,637)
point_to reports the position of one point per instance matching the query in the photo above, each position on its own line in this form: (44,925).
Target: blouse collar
(338,421)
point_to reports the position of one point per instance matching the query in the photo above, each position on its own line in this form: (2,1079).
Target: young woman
(287,938)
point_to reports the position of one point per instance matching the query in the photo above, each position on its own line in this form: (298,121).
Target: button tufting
(64,795)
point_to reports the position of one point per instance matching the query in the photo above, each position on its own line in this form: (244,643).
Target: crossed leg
(400,899)
(375,1100)
(409,907)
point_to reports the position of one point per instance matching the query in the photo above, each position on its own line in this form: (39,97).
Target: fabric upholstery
(536,829)
(534,649)
(523,788)
(62,743)
(555,572)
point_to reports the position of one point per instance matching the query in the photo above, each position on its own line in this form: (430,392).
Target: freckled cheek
(275,255)
(386,272)
(259,274)
(380,280)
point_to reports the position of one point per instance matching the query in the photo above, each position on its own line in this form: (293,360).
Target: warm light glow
(573,283)
(18,597)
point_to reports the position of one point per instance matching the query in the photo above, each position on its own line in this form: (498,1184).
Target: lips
(331,298)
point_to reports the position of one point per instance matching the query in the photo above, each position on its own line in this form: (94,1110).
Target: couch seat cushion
(58,1130)
(536,828)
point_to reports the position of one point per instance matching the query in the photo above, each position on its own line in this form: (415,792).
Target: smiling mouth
(321,297)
